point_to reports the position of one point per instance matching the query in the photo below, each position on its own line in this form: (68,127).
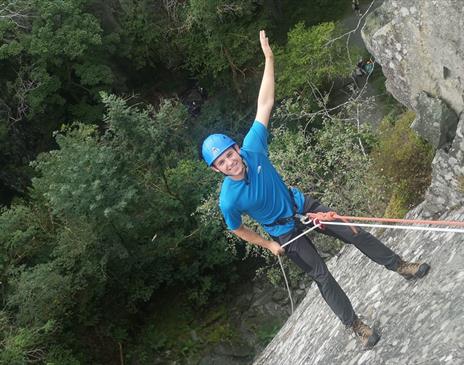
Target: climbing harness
(293,217)
(320,219)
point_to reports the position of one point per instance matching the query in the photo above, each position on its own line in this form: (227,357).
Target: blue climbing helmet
(214,146)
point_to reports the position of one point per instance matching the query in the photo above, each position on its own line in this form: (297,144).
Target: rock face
(421,322)
(446,191)
(435,121)
(420,47)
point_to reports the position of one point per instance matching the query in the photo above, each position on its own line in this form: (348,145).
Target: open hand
(265,44)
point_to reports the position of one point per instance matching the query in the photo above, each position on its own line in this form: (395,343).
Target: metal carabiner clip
(304,219)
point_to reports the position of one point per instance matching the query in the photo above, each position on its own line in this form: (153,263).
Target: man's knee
(321,274)
(324,280)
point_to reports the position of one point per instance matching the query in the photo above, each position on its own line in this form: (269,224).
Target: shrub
(310,56)
(404,159)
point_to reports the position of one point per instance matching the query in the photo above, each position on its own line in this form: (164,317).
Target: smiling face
(230,163)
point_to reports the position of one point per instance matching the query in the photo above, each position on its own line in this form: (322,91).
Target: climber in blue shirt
(252,186)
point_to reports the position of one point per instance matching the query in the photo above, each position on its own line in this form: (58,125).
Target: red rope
(329,216)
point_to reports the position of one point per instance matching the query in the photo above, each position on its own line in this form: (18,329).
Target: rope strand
(397,220)
(454,230)
(318,217)
(286,283)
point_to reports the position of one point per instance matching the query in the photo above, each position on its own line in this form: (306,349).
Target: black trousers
(303,253)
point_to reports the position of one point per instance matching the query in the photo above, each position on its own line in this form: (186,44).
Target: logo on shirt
(259,169)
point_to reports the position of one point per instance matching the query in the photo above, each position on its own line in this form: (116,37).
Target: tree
(55,66)
(310,60)
(220,38)
(110,222)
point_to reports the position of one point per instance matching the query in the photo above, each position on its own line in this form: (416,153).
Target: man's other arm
(248,235)
(266,91)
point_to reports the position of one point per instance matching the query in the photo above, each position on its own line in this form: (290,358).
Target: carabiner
(304,219)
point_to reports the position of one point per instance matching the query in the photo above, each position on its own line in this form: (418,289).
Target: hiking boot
(411,270)
(367,335)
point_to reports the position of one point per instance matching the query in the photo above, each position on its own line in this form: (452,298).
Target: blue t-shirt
(263,195)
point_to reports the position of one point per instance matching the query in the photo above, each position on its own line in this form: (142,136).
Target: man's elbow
(238,230)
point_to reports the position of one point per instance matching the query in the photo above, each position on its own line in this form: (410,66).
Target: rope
(329,217)
(282,266)
(302,234)
(286,283)
(396,220)
(455,230)
(318,219)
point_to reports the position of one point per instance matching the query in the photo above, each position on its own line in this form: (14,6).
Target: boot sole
(372,340)
(422,271)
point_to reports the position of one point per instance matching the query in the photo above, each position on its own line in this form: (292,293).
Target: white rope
(282,266)
(286,282)
(455,230)
(302,234)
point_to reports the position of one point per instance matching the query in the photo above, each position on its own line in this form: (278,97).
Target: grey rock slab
(419,45)
(420,321)
(435,121)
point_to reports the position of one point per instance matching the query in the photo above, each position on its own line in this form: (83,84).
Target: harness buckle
(303,218)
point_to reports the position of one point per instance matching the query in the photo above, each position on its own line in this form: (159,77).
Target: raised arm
(266,91)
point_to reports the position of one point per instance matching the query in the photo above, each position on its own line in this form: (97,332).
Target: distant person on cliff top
(356,8)
(252,186)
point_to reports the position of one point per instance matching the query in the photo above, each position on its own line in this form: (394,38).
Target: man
(252,186)
(355,6)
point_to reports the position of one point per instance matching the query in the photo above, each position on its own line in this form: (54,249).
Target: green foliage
(177,333)
(84,177)
(111,221)
(55,51)
(38,302)
(60,55)
(311,13)
(221,38)
(63,28)
(22,235)
(24,345)
(55,65)
(399,203)
(311,58)
(318,163)
(149,136)
(122,210)
(144,33)
(267,332)
(405,161)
